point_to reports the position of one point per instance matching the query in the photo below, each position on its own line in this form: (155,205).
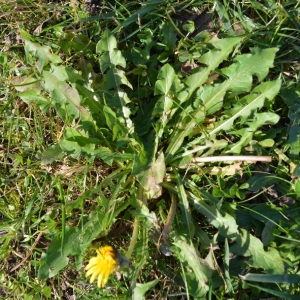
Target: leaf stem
(135,231)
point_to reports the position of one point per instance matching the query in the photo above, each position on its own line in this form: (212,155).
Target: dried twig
(30,251)
(251,158)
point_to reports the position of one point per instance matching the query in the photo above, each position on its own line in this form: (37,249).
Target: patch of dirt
(202,21)
(93,6)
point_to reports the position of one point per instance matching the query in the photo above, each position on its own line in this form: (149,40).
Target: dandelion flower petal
(102,266)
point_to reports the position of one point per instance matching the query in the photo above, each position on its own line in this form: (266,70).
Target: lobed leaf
(249,246)
(247,133)
(109,157)
(167,84)
(240,77)
(65,98)
(141,289)
(212,59)
(202,268)
(107,43)
(112,58)
(34,96)
(266,90)
(225,223)
(42,53)
(75,242)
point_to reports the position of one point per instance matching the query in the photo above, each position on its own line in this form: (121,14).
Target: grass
(104,121)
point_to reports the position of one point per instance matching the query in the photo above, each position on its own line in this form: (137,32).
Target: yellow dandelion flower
(103,265)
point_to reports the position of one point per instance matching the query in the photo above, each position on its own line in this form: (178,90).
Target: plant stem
(134,237)
(135,231)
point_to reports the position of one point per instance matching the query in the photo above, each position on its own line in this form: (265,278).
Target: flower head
(103,265)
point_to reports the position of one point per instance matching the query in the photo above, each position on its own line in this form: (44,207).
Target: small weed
(174,142)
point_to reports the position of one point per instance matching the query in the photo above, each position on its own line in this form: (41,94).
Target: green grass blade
(184,204)
(223,14)
(226,269)
(147,8)
(63,214)
(276,293)
(273,278)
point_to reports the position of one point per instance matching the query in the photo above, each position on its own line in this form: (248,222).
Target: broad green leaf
(294,133)
(240,77)
(297,187)
(24,83)
(246,134)
(67,73)
(114,78)
(240,80)
(46,269)
(107,43)
(167,84)
(145,153)
(146,216)
(266,90)
(53,83)
(169,35)
(34,96)
(110,55)
(251,247)
(141,289)
(212,59)
(264,181)
(162,111)
(75,143)
(76,241)
(267,211)
(144,119)
(65,98)
(109,157)
(71,148)
(42,53)
(51,154)
(202,268)
(240,73)
(267,235)
(112,58)
(87,99)
(118,199)
(210,145)
(114,123)
(225,223)
(117,98)
(189,27)
(178,136)
(165,80)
